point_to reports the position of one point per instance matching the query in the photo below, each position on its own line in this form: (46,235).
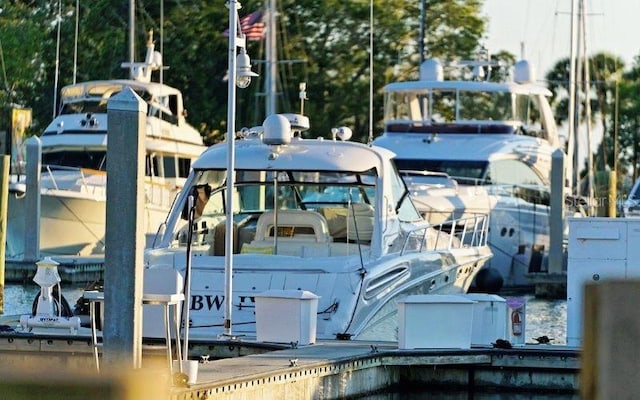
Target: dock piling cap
(47,262)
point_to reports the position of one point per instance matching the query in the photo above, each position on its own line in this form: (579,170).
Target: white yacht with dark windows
(327,216)
(492,141)
(74,156)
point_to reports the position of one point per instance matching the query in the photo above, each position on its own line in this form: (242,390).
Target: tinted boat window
(77,159)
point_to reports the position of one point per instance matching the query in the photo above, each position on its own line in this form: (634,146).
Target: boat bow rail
(452,234)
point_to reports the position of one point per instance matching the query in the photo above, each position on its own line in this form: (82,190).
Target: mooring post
(556,214)
(611,338)
(613,194)
(32,200)
(5,165)
(122,331)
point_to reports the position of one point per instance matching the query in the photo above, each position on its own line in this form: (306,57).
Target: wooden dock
(327,370)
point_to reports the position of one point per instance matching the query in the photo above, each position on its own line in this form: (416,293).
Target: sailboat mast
(572,97)
(132,48)
(587,90)
(272,59)
(55,85)
(577,157)
(75,43)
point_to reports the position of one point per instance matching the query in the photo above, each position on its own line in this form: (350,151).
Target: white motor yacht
(74,156)
(330,217)
(495,140)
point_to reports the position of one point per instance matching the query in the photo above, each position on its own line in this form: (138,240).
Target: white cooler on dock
(435,322)
(286,316)
(489,318)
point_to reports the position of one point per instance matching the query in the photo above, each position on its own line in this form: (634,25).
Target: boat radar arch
(431,70)
(523,72)
(277,130)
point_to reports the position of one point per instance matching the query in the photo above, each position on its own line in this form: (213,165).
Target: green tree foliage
(629,119)
(605,73)
(322,43)
(25,54)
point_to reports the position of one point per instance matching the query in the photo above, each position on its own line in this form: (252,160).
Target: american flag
(251,25)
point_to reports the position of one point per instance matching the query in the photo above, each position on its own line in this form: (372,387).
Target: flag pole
(239,74)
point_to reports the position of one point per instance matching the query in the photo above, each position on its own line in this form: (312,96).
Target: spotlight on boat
(342,132)
(243,69)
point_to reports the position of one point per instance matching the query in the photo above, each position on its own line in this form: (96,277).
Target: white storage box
(435,322)
(286,316)
(489,318)
(165,281)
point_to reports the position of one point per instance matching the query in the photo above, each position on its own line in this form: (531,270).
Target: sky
(543,29)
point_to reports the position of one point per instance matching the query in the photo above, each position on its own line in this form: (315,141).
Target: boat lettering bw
(198,303)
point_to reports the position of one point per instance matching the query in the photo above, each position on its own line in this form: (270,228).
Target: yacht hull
(354,302)
(70,224)
(518,230)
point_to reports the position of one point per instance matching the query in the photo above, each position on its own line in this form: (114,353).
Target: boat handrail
(82,172)
(500,187)
(471,231)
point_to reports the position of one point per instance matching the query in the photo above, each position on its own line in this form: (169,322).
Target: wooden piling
(125,241)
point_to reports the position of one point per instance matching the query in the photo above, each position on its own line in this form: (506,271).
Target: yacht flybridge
(330,216)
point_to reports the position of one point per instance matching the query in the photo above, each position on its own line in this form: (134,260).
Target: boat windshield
(468,172)
(308,205)
(455,106)
(463,171)
(422,181)
(93,97)
(258,191)
(96,160)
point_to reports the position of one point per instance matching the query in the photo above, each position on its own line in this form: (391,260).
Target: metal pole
(4,199)
(272,58)
(587,105)
(187,283)
(231,128)
(132,39)
(423,11)
(572,90)
(371,71)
